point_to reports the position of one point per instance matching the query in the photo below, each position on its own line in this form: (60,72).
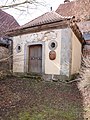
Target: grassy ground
(27,99)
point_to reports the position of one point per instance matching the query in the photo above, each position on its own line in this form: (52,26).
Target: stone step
(28,75)
(32,76)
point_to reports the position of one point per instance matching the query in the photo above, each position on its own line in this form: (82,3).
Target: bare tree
(22,5)
(84,85)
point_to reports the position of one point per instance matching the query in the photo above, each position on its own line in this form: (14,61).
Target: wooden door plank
(35,58)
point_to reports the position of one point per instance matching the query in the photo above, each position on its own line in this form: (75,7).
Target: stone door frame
(26,55)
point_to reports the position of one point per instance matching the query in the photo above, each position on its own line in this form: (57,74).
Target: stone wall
(5,59)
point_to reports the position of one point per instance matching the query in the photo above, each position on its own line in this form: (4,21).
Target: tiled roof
(46,18)
(7,22)
(66,9)
(78,8)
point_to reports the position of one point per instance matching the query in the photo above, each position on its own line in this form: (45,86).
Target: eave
(54,25)
(68,23)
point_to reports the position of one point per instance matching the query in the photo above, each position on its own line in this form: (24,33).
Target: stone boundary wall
(5,58)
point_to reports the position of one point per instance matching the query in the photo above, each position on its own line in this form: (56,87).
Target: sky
(29,12)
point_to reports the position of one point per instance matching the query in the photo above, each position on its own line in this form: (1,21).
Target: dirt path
(26,99)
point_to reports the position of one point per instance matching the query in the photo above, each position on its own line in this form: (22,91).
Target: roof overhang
(68,23)
(31,29)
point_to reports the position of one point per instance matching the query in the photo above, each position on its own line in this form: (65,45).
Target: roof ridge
(47,17)
(39,17)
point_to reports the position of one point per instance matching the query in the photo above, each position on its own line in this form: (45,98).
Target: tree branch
(18,4)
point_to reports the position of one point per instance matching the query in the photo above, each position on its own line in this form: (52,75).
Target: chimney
(50,8)
(66,1)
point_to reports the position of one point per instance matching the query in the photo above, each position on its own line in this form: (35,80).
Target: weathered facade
(49,44)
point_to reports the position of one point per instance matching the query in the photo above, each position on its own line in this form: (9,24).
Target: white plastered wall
(18,58)
(76,54)
(53,66)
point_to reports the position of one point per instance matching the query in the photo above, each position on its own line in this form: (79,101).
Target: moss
(47,114)
(24,116)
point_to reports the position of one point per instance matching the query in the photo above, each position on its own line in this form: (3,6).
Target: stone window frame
(53,45)
(18,48)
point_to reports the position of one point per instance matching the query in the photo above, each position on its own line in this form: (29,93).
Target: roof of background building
(66,9)
(7,22)
(78,8)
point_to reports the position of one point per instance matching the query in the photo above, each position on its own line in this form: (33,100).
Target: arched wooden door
(35,59)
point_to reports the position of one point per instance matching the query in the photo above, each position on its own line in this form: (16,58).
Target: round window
(18,48)
(52,45)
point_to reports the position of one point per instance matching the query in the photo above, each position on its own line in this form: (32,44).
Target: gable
(48,17)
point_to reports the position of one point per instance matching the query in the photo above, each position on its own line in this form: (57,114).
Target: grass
(28,99)
(47,114)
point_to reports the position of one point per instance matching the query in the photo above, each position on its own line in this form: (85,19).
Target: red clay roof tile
(66,9)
